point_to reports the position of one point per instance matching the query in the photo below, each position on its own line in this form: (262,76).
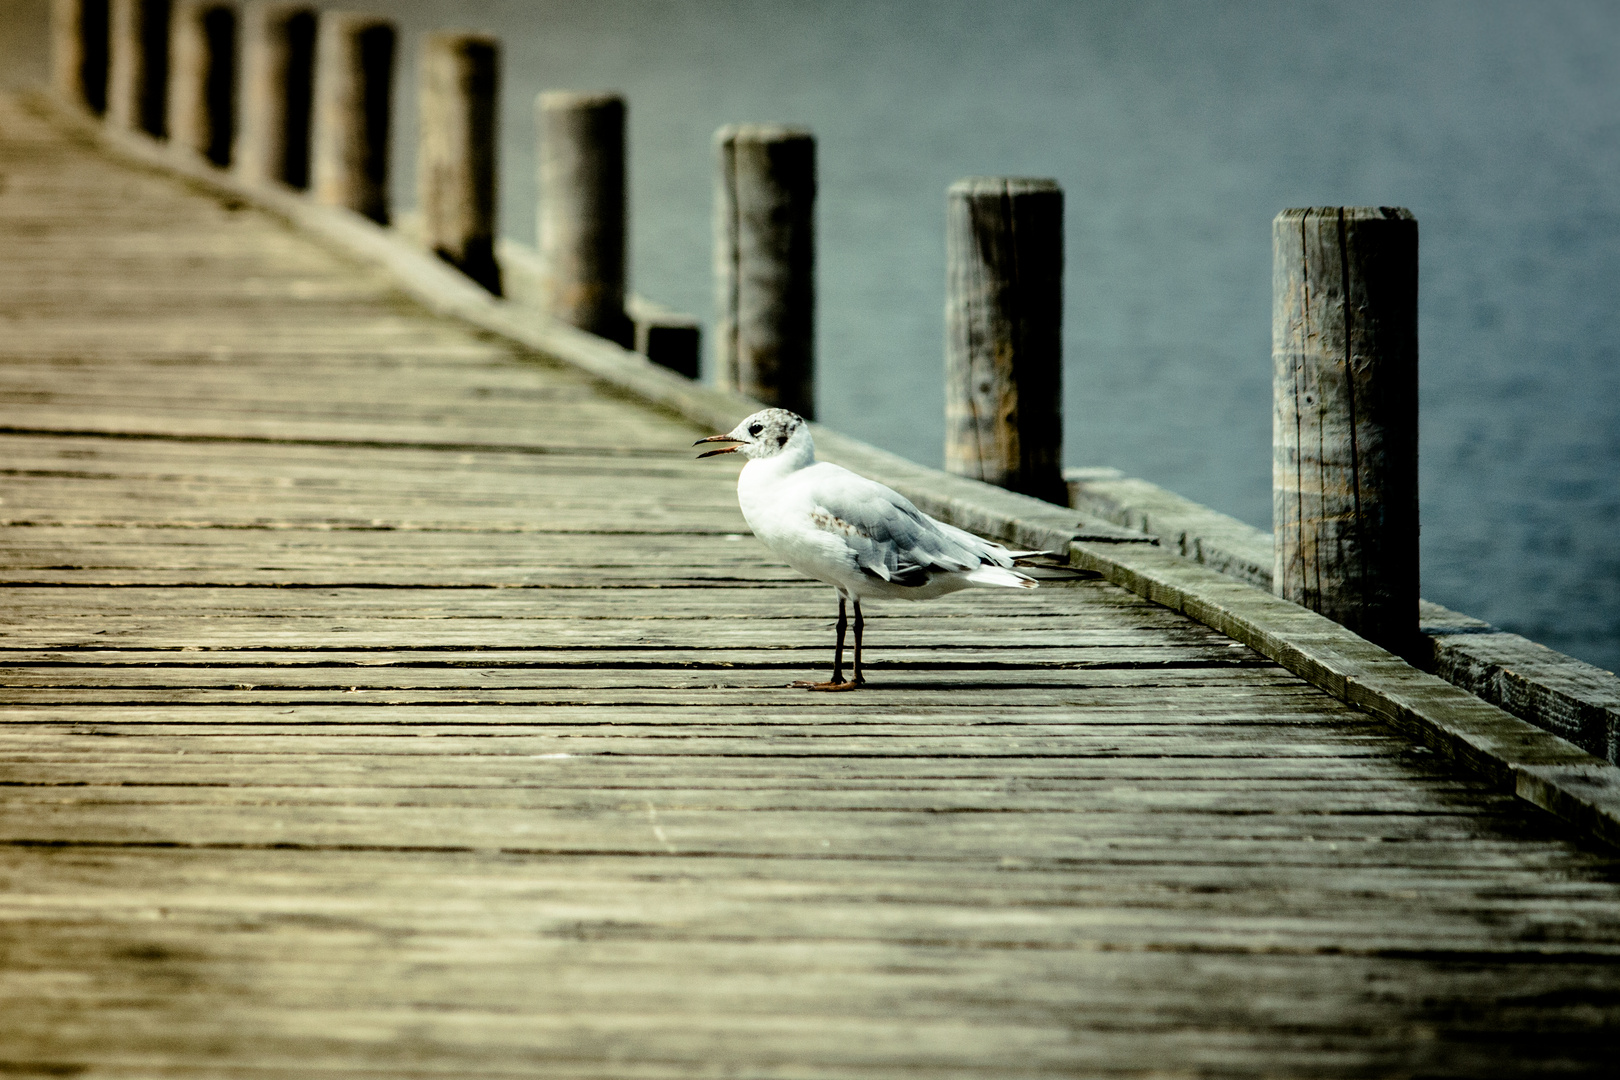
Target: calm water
(1177,130)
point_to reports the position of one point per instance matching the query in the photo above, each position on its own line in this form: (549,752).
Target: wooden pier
(382,698)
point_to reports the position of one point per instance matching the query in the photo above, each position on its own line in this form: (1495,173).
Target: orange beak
(723,450)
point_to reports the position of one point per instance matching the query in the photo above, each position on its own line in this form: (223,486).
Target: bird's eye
(755,429)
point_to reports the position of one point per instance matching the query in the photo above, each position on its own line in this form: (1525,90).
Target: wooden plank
(123,764)
(564,819)
(1104,607)
(1477,840)
(1541,768)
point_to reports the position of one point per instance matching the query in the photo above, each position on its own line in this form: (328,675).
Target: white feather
(861,537)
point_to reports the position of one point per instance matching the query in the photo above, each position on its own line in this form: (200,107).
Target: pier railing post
(1004,334)
(79,52)
(67,51)
(138,72)
(278,81)
(581,216)
(146,70)
(187,125)
(764,264)
(1344,435)
(354,74)
(126,64)
(202,78)
(456,152)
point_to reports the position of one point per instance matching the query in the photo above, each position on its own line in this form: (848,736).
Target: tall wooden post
(123,63)
(126,68)
(354,62)
(188,123)
(278,70)
(152,85)
(581,219)
(460,80)
(79,52)
(1344,435)
(1004,334)
(764,264)
(202,78)
(138,65)
(67,51)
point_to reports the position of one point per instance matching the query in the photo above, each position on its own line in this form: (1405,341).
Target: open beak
(722,450)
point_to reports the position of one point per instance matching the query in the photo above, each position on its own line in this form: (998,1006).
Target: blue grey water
(1178,130)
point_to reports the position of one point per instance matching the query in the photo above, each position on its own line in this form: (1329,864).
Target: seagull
(865,540)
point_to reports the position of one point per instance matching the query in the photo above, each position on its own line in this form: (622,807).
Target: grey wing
(890,538)
(988,550)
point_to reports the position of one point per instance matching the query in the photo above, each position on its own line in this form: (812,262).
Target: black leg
(837,681)
(838,651)
(857,679)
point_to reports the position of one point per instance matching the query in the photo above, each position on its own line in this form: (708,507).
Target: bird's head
(765,434)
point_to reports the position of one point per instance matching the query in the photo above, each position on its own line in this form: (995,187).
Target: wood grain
(381,699)
(456,154)
(1004,334)
(765,264)
(1344,430)
(126,67)
(354,84)
(582,214)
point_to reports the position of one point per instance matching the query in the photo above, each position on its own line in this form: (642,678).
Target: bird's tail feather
(998,575)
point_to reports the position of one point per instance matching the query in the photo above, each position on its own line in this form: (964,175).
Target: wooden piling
(354,61)
(666,337)
(581,219)
(202,78)
(764,264)
(67,51)
(1344,436)
(278,68)
(456,151)
(1004,334)
(153,107)
(126,64)
(79,52)
(188,73)
(96,35)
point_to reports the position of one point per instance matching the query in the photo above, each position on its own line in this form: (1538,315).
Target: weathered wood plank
(631,773)
(1103,607)
(793,833)
(566,820)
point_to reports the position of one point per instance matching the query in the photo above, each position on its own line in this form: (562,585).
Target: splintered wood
(381,700)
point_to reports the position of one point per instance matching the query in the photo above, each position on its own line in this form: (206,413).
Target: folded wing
(891,539)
